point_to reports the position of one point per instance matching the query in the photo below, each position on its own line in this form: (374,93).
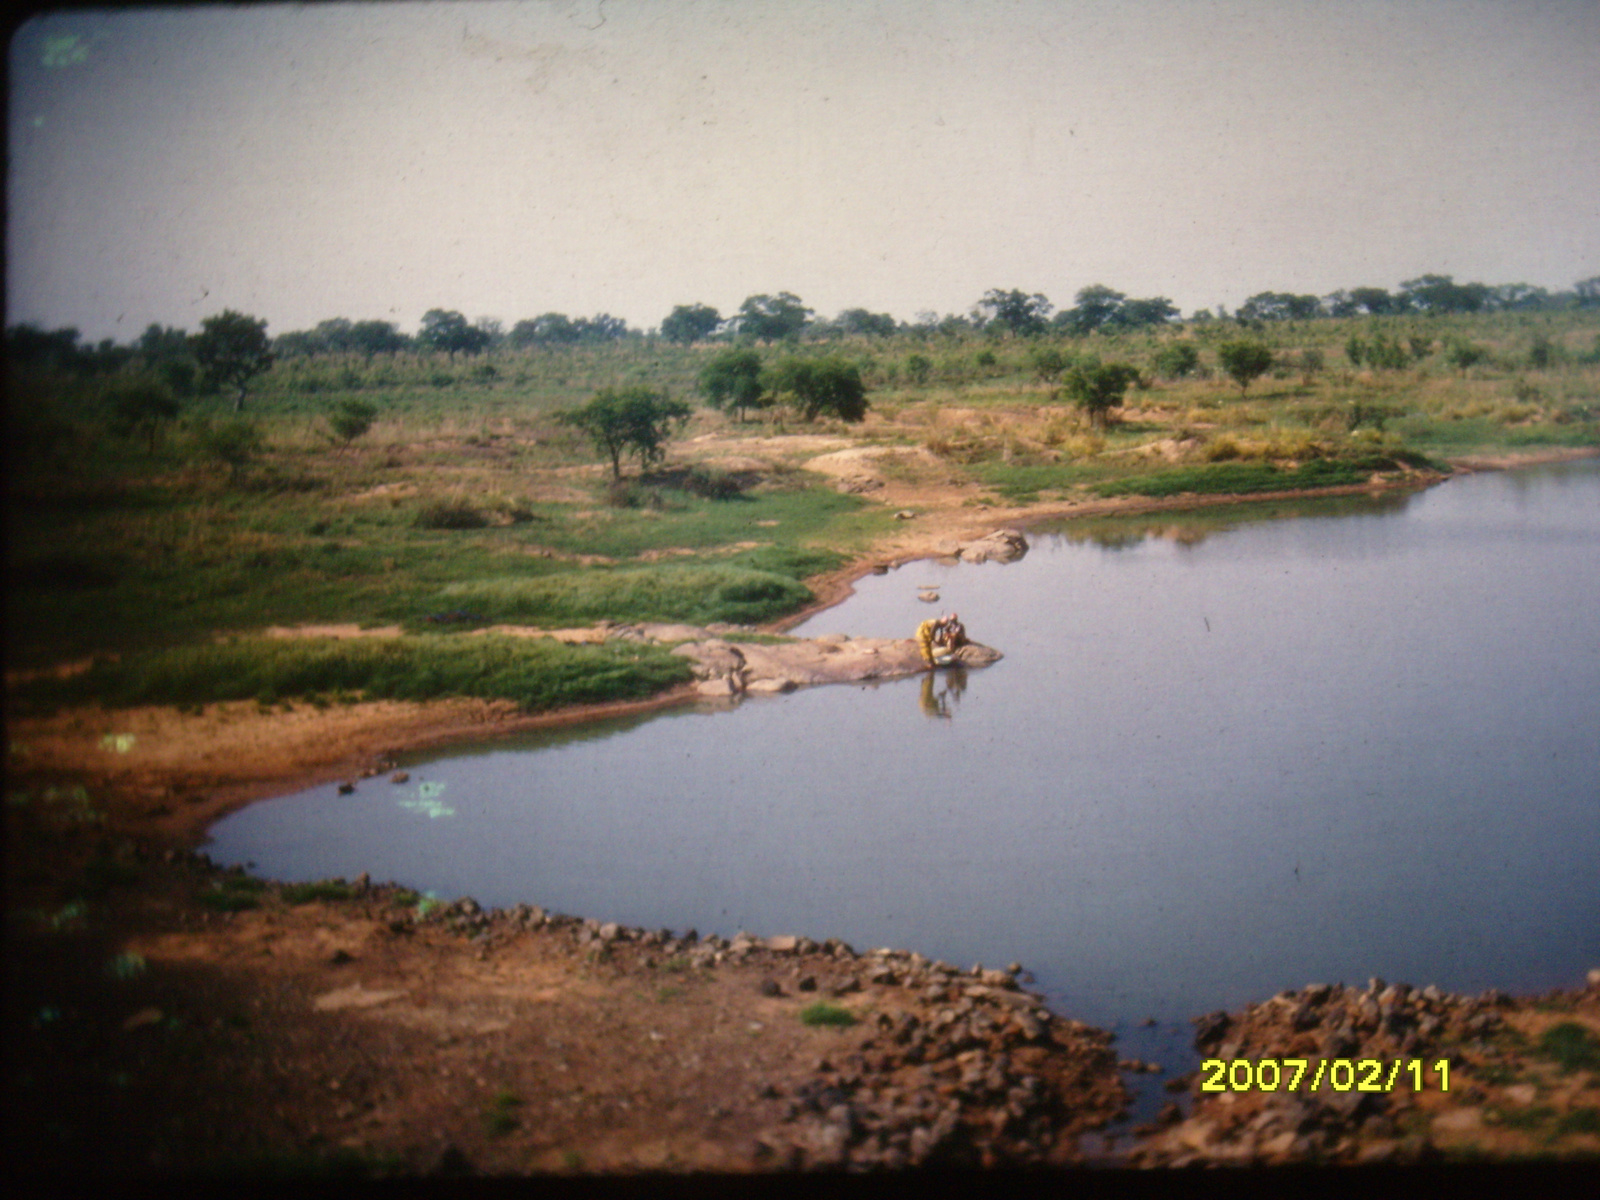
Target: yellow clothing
(925,639)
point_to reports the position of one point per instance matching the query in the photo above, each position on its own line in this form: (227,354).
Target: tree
(451,332)
(1442,294)
(1279,306)
(637,419)
(142,406)
(1177,359)
(1098,387)
(232,349)
(1373,300)
(690,323)
(1245,361)
(821,385)
(733,380)
(1587,292)
(770,318)
(377,337)
(1094,307)
(1155,310)
(860,321)
(352,419)
(1023,315)
(233,442)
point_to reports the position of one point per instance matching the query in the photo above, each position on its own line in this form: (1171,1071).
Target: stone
(786,943)
(769,987)
(400,777)
(347,787)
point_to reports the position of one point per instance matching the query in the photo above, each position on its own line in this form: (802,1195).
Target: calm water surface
(1218,760)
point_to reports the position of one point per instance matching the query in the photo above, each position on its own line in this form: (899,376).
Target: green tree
(142,406)
(860,321)
(451,332)
(820,386)
(771,318)
(1094,307)
(232,349)
(1098,387)
(1177,359)
(1245,361)
(690,323)
(377,337)
(732,380)
(234,443)
(1016,311)
(634,419)
(351,419)
(1048,362)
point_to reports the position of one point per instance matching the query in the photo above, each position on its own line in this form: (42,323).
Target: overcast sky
(624,156)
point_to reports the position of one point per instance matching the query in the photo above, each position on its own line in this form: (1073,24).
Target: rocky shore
(1387,1073)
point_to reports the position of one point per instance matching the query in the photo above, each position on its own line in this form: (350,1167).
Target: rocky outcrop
(943,1065)
(1003,545)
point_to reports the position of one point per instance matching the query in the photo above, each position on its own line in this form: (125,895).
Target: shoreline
(840,1110)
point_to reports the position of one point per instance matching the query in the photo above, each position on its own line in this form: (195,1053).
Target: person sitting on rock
(928,635)
(954,634)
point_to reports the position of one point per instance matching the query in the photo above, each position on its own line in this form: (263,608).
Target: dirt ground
(165,1017)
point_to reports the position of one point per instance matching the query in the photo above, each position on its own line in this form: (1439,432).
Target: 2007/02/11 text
(1340,1074)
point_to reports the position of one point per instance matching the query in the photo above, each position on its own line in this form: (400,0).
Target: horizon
(508,160)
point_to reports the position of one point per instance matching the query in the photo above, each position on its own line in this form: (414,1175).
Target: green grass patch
(500,1114)
(1243,478)
(537,674)
(823,1014)
(1021,483)
(232,893)
(1571,1047)
(696,594)
(327,889)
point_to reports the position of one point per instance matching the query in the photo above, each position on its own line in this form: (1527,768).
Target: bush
(824,1014)
(450,514)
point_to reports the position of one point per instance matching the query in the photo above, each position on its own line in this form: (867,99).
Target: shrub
(1177,359)
(1571,1047)
(824,1014)
(450,514)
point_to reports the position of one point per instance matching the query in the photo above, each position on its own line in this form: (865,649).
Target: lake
(1225,754)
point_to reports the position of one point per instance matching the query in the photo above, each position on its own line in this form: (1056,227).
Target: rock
(786,943)
(1210,1029)
(905,514)
(400,777)
(1003,545)
(769,987)
(347,787)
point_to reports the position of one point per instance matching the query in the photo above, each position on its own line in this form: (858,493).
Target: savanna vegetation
(171,498)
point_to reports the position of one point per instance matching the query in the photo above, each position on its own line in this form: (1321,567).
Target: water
(1222,757)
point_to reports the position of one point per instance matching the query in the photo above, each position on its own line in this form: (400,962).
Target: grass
(500,1114)
(537,674)
(468,496)
(822,1014)
(232,893)
(1244,478)
(330,890)
(696,594)
(1571,1046)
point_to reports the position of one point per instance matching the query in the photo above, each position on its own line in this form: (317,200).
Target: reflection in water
(941,701)
(1195,526)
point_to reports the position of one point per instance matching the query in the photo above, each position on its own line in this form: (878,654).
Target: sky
(625,156)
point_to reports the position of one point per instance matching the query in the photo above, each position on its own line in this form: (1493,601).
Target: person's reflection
(941,702)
